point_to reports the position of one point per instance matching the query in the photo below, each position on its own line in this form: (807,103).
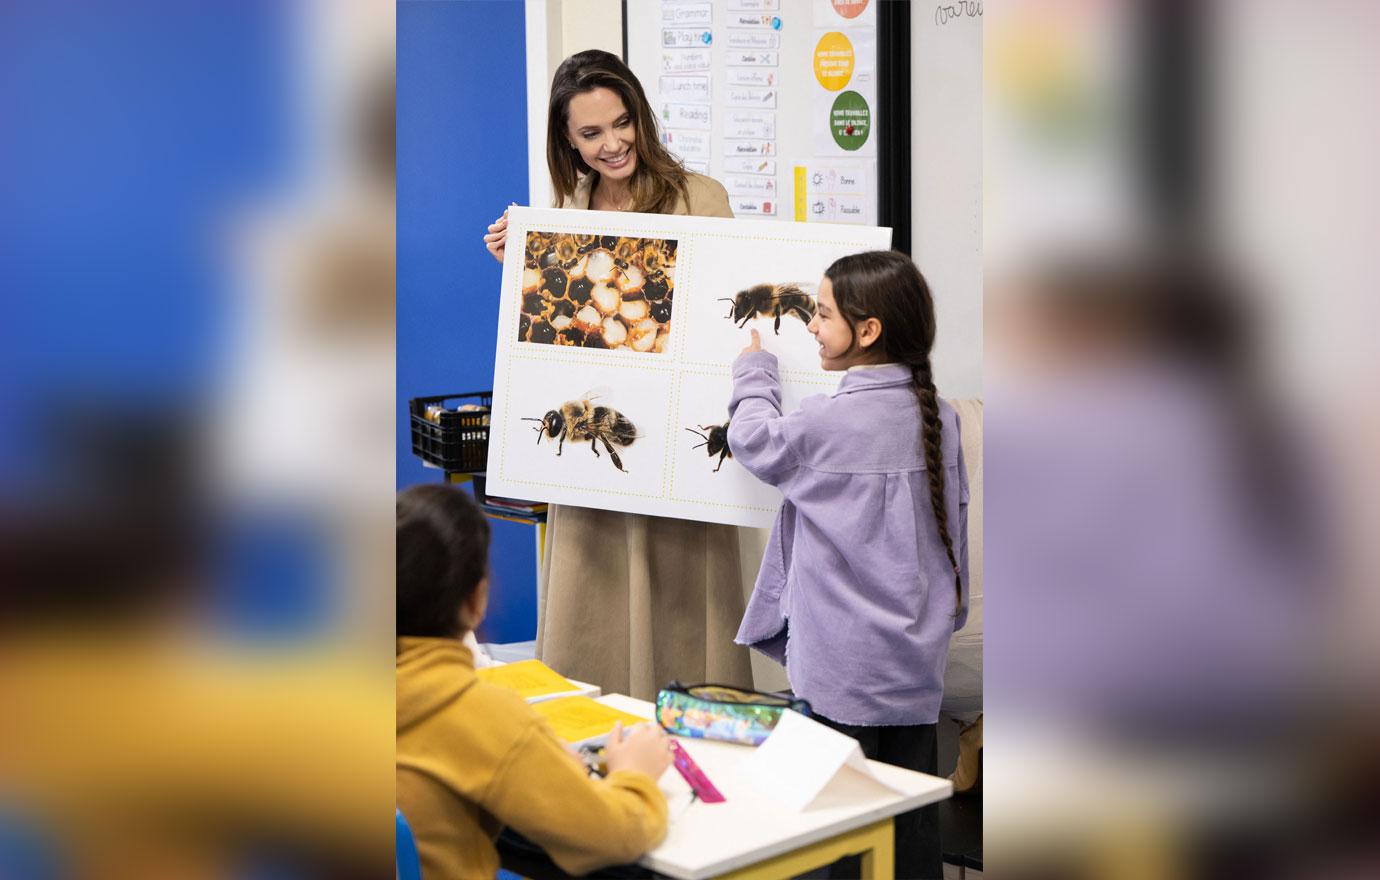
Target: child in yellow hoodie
(472,757)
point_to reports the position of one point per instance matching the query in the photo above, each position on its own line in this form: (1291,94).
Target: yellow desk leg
(876,843)
(1142,852)
(879,862)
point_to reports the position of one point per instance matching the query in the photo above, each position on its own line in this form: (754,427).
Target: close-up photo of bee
(715,438)
(582,420)
(597,291)
(771,301)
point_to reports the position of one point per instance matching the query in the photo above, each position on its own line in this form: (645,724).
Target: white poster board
(616,337)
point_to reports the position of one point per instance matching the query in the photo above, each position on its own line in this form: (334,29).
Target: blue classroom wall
(462,156)
(115,178)
(134,136)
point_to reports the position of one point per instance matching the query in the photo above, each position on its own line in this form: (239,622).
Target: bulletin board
(779,100)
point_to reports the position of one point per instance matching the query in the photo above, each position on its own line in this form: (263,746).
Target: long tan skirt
(631,602)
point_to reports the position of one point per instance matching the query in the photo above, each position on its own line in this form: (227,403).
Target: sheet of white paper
(753,40)
(687,14)
(799,760)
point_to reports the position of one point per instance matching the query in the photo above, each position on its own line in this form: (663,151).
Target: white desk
(750,835)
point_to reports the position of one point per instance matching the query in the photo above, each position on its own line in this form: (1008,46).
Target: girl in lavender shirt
(865,577)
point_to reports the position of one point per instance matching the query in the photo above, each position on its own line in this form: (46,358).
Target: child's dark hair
(443,554)
(887,286)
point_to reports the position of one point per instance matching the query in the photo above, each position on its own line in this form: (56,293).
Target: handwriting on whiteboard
(945,13)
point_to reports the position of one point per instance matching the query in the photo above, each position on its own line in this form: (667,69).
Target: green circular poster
(850,120)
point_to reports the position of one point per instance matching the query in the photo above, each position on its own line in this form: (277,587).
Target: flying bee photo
(593,291)
(772,301)
(715,439)
(703,471)
(582,420)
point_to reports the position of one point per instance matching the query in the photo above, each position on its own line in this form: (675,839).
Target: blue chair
(27,849)
(405,850)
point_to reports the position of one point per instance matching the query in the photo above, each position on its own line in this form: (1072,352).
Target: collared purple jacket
(856,594)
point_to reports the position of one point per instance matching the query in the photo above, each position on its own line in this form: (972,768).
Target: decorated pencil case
(713,711)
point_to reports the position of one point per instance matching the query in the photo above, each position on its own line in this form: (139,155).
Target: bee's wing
(793,288)
(599,392)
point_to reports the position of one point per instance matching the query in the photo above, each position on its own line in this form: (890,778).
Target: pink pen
(699,783)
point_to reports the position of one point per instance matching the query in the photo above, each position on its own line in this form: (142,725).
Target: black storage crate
(456,441)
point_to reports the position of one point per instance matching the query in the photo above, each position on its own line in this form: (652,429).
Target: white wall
(557,29)
(946,187)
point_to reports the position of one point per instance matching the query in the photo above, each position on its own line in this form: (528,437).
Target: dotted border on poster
(503,454)
(718,374)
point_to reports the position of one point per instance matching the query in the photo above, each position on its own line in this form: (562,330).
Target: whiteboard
(947,183)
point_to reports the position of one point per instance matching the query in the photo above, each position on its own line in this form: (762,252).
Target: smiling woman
(600,125)
(603,132)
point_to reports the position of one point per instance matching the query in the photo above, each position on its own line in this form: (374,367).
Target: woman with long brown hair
(626,601)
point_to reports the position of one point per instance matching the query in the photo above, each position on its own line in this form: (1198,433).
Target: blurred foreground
(196,439)
(1180,664)
(197,422)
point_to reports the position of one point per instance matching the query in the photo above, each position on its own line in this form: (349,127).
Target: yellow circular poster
(833,61)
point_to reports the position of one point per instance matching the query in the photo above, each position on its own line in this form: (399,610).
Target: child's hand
(646,749)
(754,345)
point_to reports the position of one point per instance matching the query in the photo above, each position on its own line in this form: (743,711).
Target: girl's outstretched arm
(757,431)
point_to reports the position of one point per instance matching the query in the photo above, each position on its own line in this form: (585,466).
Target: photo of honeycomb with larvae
(597,291)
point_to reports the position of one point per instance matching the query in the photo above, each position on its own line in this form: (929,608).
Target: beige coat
(630,602)
(708,198)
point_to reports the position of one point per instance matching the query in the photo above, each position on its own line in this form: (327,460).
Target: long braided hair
(887,286)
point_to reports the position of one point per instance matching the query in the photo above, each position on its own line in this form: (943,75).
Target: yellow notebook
(578,720)
(530,678)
